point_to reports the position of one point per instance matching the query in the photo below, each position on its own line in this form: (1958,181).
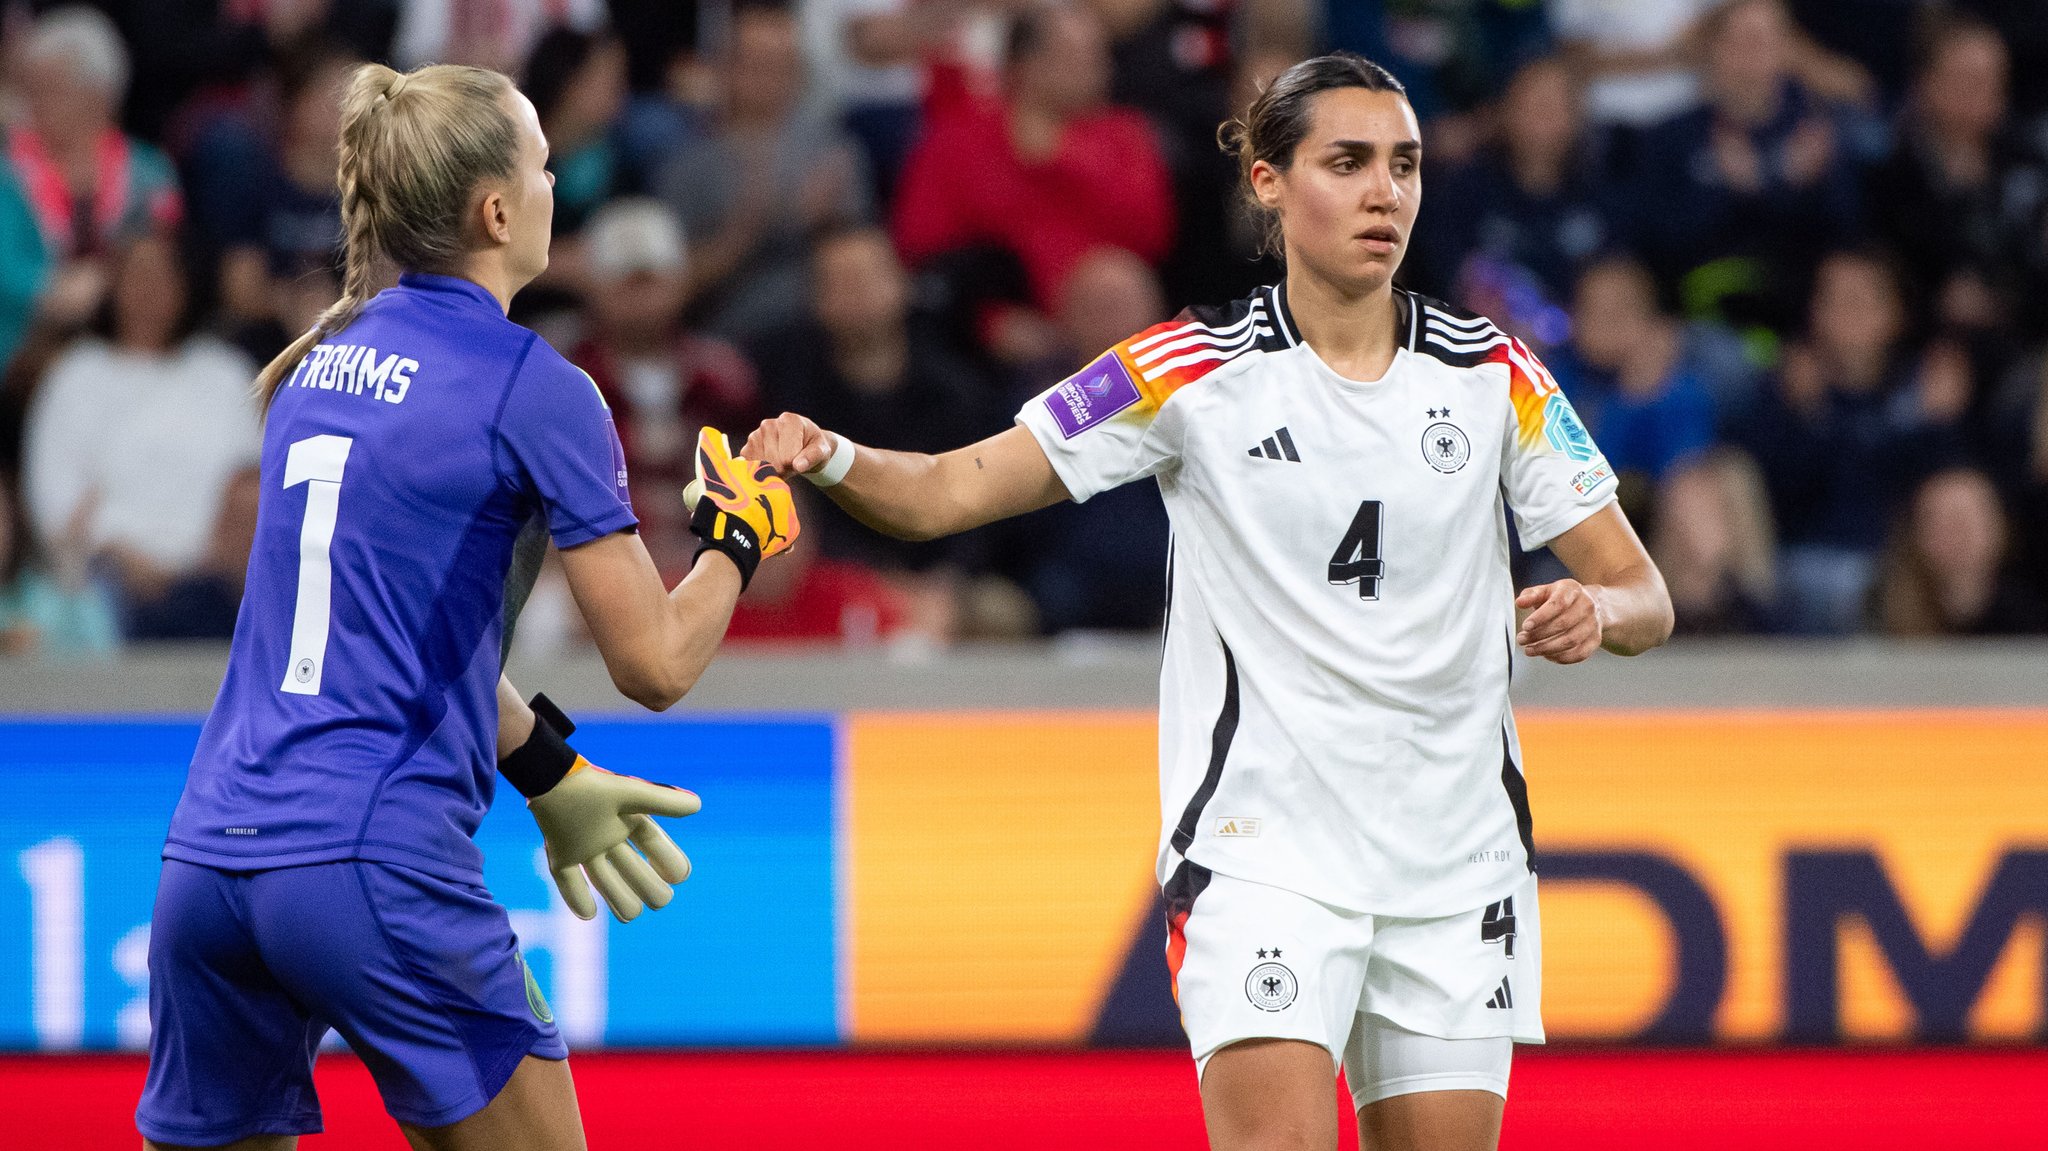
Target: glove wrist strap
(719,531)
(835,467)
(537,765)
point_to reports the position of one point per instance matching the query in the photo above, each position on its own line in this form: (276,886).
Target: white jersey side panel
(1333,707)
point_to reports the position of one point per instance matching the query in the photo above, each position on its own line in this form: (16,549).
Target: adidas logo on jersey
(1503,999)
(1278,446)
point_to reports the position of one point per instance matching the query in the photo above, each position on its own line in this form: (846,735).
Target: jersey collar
(450,286)
(1407,329)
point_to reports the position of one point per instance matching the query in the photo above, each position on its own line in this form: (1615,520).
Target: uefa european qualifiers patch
(1092,395)
(1271,986)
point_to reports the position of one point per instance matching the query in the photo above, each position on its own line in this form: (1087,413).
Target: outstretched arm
(1615,600)
(911,495)
(655,642)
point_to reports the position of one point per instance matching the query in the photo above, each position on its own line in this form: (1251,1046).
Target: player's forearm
(914,496)
(1634,609)
(515,719)
(693,624)
(899,494)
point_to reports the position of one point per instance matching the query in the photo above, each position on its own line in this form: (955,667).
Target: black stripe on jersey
(1437,328)
(1470,323)
(1459,338)
(1283,318)
(1517,788)
(1287,443)
(1219,750)
(1183,887)
(1191,335)
(1166,623)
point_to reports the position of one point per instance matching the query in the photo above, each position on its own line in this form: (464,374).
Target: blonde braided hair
(413,148)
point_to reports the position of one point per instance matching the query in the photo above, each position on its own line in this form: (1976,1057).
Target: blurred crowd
(1789,258)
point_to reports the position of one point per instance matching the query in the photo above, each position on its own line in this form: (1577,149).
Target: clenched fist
(1562,624)
(791,444)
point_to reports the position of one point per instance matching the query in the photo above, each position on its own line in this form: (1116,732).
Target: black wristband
(541,762)
(718,531)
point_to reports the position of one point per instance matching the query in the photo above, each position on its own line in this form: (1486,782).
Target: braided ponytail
(414,146)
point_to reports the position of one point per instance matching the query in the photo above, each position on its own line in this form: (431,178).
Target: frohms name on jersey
(358,370)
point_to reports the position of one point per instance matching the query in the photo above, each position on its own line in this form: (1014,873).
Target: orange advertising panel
(1812,877)
(996,868)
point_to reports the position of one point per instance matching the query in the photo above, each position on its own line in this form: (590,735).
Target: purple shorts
(248,970)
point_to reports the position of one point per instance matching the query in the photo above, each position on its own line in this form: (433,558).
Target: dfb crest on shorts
(1498,925)
(1445,447)
(1271,986)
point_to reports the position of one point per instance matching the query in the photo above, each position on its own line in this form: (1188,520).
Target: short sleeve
(1552,472)
(558,432)
(1102,427)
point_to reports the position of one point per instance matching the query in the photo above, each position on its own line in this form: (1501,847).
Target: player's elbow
(922,529)
(654,690)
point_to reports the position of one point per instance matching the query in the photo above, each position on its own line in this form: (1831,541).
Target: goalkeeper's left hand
(592,819)
(740,506)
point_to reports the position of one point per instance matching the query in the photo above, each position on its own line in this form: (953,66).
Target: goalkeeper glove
(741,507)
(591,820)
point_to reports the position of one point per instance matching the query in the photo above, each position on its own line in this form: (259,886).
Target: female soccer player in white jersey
(320,871)
(1345,848)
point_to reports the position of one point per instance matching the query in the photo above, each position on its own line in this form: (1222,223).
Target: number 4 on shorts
(1357,558)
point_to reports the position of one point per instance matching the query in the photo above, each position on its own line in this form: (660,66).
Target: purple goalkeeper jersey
(358,718)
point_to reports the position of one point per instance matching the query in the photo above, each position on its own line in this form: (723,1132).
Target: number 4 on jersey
(1357,558)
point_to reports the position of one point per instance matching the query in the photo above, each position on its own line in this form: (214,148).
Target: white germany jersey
(1334,697)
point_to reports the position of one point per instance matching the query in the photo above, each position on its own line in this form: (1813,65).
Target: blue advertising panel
(745,955)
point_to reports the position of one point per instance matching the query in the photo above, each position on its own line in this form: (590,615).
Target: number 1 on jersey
(316,462)
(1357,558)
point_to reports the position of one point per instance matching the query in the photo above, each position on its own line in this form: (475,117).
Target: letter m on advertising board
(1825,888)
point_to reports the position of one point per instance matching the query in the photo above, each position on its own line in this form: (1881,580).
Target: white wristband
(835,468)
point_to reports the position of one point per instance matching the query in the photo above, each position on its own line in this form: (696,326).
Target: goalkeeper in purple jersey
(419,450)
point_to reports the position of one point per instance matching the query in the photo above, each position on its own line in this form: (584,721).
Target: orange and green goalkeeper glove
(740,507)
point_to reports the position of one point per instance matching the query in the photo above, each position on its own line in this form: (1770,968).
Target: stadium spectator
(577,82)
(48,610)
(1533,200)
(196,59)
(2016,453)
(868,57)
(72,185)
(137,444)
(1099,564)
(1712,538)
(272,209)
(862,356)
(1842,436)
(1739,197)
(1047,173)
(1635,57)
(1178,62)
(1946,572)
(494,34)
(1641,401)
(1960,196)
(813,597)
(2025,34)
(768,174)
(662,380)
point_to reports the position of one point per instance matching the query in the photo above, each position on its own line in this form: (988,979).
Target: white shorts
(1404,1005)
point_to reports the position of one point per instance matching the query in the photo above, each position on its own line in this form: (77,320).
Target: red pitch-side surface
(1129,1101)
